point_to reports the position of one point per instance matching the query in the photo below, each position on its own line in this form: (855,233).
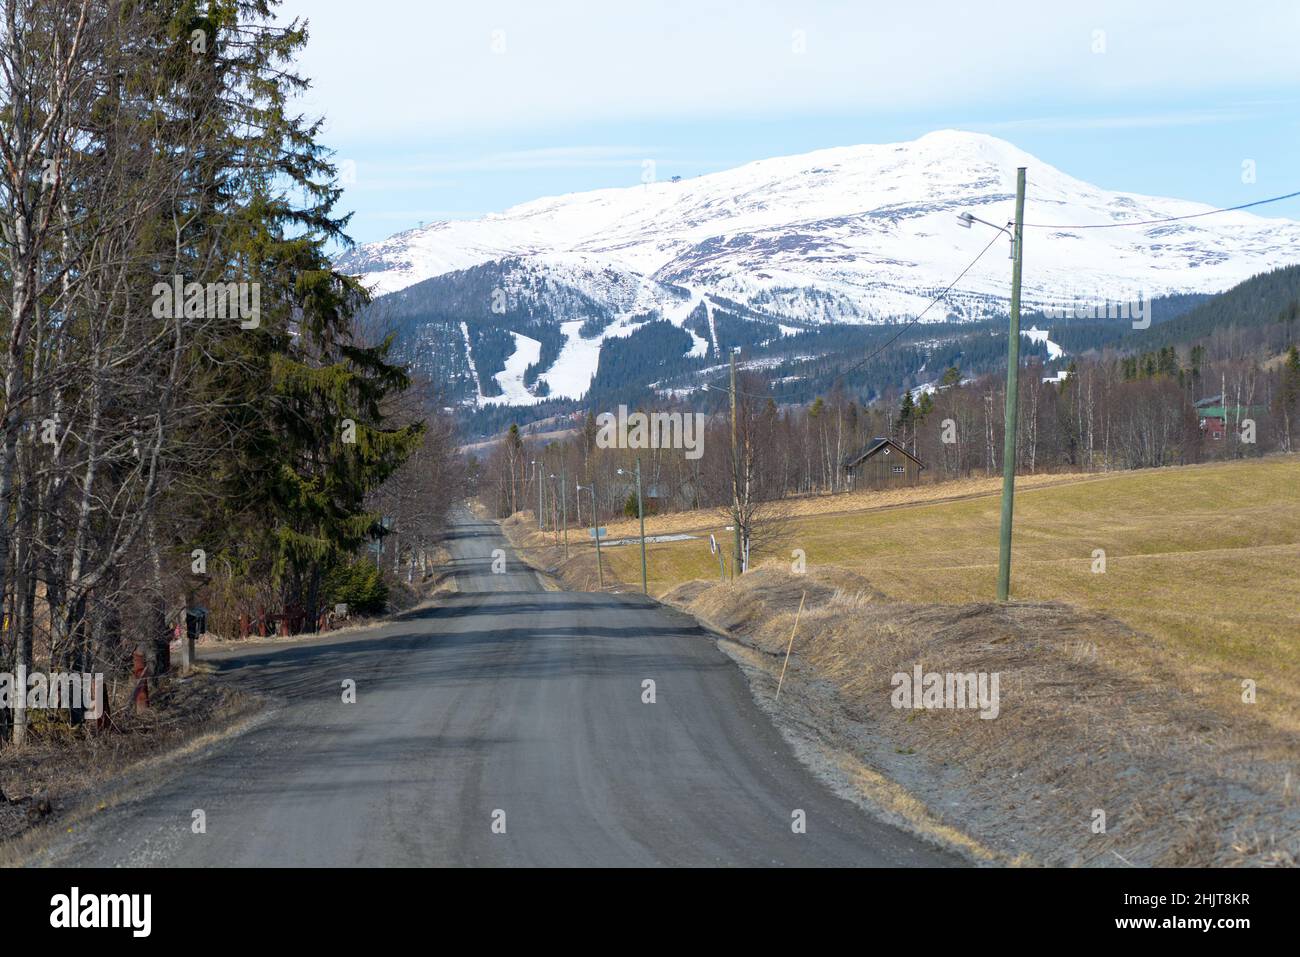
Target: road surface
(507,707)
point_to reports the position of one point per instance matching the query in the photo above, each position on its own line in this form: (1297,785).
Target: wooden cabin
(882,464)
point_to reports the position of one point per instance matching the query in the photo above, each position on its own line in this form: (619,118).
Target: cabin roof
(875,446)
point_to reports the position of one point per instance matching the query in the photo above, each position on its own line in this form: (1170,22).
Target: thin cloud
(1141,121)
(556,157)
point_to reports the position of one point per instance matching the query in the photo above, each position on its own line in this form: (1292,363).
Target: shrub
(360,584)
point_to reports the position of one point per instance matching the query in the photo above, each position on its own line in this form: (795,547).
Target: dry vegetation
(1079,729)
(707,520)
(1203,559)
(61,766)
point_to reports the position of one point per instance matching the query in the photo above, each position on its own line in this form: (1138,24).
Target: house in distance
(882,464)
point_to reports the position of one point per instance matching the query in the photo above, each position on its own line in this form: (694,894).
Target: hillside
(1268,303)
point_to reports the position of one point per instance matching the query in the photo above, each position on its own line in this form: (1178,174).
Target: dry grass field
(1204,560)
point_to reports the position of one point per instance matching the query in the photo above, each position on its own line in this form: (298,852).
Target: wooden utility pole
(735,474)
(564,508)
(640,510)
(595,524)
(1012,406)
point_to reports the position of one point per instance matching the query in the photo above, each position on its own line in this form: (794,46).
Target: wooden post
(1012,408)
(187,640)
(140,671)
(187,652)
(737,565)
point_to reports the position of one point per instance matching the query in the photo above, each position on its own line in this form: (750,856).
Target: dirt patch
(1078,729)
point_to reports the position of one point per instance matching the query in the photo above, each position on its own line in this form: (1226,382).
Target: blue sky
(441,111)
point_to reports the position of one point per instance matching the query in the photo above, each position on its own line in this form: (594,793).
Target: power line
(969,267)
(917,318)
(894,338)
(1170,219)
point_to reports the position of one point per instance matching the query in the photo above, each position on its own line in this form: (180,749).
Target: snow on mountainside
(851,234)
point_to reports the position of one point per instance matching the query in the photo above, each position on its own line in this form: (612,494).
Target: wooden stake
(789,646)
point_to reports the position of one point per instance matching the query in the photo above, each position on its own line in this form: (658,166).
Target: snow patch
(1036,335)
(511,379)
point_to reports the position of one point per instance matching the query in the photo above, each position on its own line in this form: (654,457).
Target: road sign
(592,532)
(713,545)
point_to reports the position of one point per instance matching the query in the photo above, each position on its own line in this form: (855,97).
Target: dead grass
(1079,727)
(1203,560)
(577,572)
(63,764)
(707,520)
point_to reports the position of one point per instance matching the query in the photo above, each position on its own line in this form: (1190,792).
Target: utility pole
(595,527)
(537,477)
(564,508)
(1012,406)
(640,509)
(735,471)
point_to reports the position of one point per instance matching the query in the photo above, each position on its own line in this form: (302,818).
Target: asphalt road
(508,704)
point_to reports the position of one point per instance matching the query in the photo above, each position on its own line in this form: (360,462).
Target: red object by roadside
(141,694)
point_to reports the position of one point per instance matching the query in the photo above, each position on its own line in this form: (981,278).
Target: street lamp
(966,219)
(1013,371)
(595,528)
(640,511)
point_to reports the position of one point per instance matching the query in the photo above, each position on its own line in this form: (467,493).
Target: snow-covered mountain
(852,234)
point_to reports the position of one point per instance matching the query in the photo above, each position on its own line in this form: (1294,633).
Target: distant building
(1213,416)
(882,464)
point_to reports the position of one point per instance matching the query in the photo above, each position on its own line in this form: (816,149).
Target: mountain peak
(870,228)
